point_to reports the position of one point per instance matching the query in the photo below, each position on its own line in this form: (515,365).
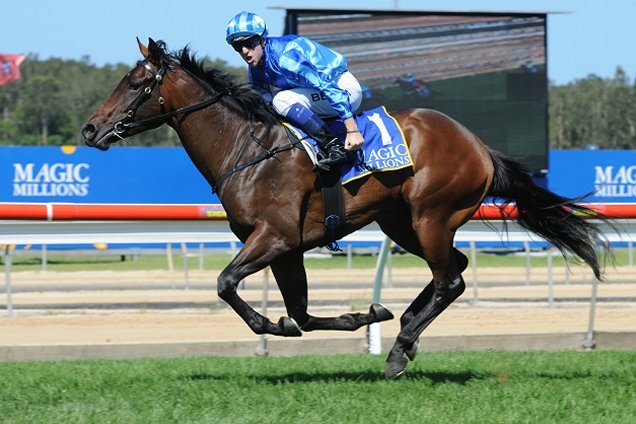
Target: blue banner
(609,175)
(87,175)
(166,175)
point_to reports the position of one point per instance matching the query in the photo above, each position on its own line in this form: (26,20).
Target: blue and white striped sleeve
(296,66)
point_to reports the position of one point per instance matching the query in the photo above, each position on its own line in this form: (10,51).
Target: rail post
(473,259)
(262,350)
(550,279)
(374,335)
(8,260)
(589,343)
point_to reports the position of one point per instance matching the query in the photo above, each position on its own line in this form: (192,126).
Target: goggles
(250,43)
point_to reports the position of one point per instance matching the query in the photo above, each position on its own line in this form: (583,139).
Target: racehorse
(271,191)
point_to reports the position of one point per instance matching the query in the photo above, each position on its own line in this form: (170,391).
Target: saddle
(384,149)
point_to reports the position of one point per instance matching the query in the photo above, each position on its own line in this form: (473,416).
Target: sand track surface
(154,306)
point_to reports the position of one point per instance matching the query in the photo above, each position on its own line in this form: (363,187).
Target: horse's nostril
(88,131)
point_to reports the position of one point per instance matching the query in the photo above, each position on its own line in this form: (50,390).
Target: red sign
(10,67)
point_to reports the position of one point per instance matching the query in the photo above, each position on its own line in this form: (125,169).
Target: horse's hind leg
(427,294)
(446,286)
(401,231)
(424,298)
(292,281)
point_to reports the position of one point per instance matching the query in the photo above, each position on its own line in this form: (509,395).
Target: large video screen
(486,70)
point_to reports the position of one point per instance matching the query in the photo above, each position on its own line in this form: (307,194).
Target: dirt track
(139,307)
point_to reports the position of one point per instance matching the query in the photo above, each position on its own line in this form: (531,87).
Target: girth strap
(333,205)
(332,199)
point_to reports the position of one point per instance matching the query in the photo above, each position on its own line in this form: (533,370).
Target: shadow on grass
(340,376)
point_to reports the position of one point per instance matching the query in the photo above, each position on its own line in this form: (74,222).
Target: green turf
(442,387)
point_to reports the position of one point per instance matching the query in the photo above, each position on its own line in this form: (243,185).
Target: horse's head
(134,102)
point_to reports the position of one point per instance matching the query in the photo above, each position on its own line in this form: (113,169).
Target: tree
(593,111)
(53,99)
(38,110)
(8,98)
(620,108)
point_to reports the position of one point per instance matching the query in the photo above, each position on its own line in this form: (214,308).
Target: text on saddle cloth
(384,147)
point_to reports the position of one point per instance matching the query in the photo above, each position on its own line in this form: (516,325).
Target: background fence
(552,287)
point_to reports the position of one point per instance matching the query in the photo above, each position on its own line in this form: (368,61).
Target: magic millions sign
(606,176)
(615,181)
(50,180)
(84,175)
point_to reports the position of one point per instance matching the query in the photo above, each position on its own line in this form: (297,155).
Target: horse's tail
(559,220)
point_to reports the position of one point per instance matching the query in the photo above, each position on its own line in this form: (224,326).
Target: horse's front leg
(291,277)
(257,253)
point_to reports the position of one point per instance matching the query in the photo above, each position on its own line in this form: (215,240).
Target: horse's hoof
(412,352)
(394,367)
(290,327)
(380,312)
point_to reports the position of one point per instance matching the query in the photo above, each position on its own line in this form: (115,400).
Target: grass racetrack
(441,387)
(135,302)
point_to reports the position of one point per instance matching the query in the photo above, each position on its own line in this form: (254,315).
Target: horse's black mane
(241,98)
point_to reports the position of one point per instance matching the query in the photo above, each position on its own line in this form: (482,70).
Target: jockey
(310,81)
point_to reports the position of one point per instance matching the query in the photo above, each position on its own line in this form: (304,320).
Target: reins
(258,158)
(120,128)
(185,109)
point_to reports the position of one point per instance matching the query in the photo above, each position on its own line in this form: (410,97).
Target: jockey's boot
(305,118)
(333,149)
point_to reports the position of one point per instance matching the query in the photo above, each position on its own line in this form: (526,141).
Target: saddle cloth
(384,147)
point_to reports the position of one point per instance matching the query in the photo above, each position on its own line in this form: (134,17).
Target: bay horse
(272,194)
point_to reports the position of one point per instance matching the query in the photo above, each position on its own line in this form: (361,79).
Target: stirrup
(334,158)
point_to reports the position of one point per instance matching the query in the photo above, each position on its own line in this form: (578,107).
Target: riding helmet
(245,25)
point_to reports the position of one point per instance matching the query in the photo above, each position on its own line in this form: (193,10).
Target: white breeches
(317,101)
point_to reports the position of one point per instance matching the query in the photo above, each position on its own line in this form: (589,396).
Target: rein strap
(261,157)
(181,110)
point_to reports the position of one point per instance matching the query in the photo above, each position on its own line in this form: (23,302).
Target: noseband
(128,123)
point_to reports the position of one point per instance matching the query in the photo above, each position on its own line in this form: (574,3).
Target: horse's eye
(134,85)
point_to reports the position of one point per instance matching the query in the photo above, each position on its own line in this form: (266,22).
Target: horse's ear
(154,50)
(143,49)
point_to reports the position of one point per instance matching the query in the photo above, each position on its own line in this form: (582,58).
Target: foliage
(593,112)
(54,97)
(453,387)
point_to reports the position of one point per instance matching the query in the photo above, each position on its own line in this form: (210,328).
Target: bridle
(120,128)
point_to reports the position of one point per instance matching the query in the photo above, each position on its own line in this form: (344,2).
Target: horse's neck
(215,137)
(204,137)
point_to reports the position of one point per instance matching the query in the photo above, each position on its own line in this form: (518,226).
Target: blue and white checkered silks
(245,24)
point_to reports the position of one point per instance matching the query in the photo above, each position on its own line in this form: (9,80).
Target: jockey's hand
(354,138)
(353,141)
